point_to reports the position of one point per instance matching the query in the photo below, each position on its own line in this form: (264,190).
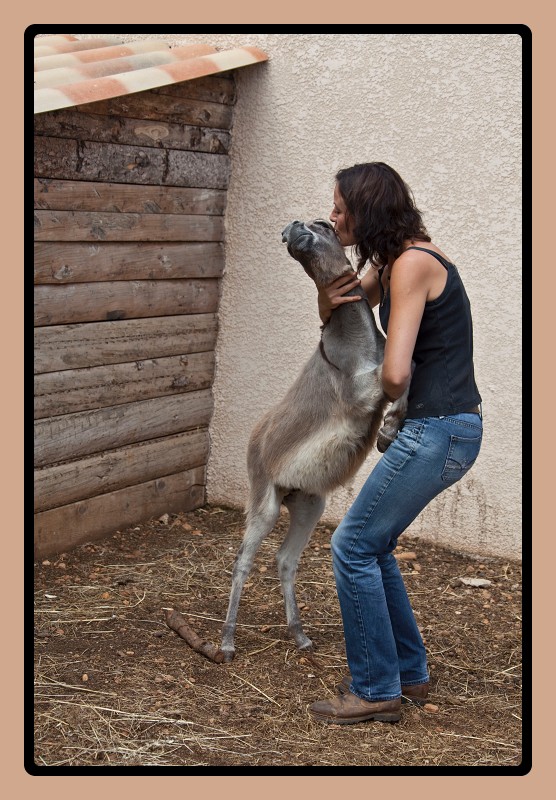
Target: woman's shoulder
(417,250)
(421,269)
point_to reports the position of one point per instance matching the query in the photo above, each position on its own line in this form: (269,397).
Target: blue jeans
(384,647)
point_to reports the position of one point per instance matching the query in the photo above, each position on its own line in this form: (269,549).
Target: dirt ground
(115,687)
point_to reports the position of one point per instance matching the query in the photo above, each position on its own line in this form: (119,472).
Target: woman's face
(341,220)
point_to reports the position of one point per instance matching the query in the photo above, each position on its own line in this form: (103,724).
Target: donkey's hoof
(228,655)
(383,441)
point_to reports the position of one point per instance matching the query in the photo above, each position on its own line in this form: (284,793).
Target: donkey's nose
(287,229)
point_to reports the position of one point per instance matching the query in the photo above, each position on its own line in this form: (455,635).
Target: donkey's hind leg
(260,521)
(305,511)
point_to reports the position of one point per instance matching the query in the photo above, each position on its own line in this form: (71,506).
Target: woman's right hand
(333,295)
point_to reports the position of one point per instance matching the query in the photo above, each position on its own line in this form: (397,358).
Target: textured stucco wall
(445,111)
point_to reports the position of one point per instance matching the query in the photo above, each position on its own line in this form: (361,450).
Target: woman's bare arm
(409,286)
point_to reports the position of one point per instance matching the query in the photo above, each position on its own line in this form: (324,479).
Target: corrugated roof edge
(89,91)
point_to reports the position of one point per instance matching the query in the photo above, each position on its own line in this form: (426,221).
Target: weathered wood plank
(83,262)
(151,105)
(71,124)
(216,88)
(69,159)
(91,344)
(127,198)
(94,226)
(116,469)
(61,529)
(73,390)
(87,432)
(86,302)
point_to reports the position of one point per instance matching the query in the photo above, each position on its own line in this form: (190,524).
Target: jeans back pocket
(462,454)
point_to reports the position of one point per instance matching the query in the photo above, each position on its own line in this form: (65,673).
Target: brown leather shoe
(347,709)
(418,693)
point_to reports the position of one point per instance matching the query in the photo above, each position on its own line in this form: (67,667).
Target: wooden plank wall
(130,196)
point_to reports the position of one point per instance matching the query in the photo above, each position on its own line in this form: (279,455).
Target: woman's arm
(410,279)
(370,282)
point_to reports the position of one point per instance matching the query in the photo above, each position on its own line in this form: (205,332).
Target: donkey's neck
(352,340)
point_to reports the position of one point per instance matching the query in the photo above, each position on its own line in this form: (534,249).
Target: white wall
(445,111)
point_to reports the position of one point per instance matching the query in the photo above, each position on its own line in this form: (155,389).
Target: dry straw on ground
(114,686)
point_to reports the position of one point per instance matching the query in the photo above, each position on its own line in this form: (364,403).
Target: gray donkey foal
(318,436)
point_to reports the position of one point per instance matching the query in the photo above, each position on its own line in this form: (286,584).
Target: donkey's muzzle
(286,233)
(295,231)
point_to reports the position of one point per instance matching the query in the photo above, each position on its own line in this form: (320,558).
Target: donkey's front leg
(393,421)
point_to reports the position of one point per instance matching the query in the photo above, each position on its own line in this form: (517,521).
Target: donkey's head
(316,247)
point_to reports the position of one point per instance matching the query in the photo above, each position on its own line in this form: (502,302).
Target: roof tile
(70,72)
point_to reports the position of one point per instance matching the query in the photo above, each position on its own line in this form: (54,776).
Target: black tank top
(443,381)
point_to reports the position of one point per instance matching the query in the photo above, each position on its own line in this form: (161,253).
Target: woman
(425,313)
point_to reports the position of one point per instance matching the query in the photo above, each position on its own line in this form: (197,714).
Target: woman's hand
(333,295)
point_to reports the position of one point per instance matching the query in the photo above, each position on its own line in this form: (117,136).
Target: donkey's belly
(325,459)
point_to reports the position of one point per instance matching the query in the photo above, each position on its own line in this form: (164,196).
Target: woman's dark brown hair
(382,209)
